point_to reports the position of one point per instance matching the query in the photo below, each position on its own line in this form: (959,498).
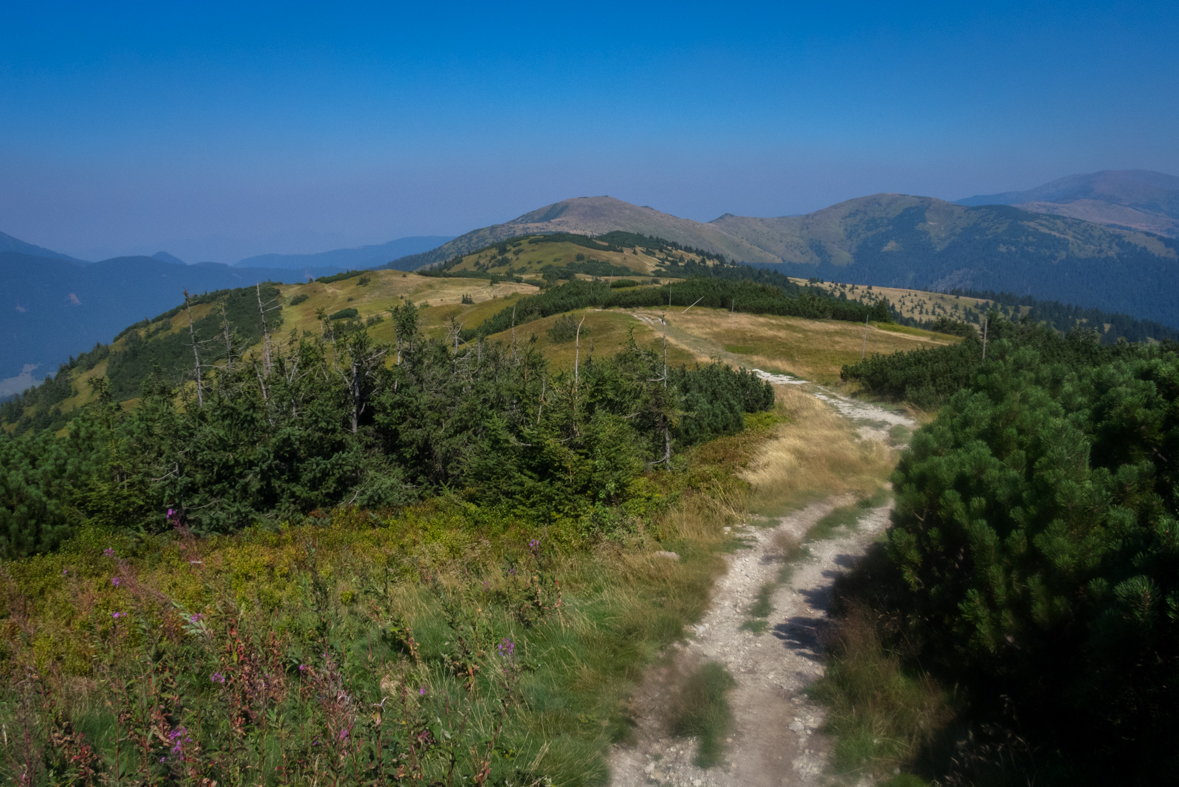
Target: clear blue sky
(216,132)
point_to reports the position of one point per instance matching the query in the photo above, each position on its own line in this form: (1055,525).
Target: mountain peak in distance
(1136,199)
(9,243)
(164,256)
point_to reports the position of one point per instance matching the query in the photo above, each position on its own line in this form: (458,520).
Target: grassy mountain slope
(596,216)
(456,302)
(1138,199)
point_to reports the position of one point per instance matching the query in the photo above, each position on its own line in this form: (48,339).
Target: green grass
(760,610)
(701,710)
(899,435)
(846,517)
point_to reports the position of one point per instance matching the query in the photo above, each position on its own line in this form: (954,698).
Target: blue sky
(216,132)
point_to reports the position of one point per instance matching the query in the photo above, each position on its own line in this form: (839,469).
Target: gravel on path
(776,738)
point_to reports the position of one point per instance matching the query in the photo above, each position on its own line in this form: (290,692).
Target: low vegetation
(1031,565)
(700,709)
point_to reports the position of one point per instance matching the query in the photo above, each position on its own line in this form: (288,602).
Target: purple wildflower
(343,734)
(217,677)
(116,581)
(422,690)
(108,552)
(196,616)
(302,668)
(506,648)
(534,543)
(117,615)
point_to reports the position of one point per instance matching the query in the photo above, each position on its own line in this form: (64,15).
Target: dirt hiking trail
(775,738)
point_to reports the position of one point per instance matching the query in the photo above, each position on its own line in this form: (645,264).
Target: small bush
(363,281)
(623,283)
(344,314)
(295,301)
(701,710)
(565,329)
(467,299)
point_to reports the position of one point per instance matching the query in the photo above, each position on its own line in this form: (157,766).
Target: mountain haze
(1137,199)
(346,259)
(896,240)
(18,246)
(55,307)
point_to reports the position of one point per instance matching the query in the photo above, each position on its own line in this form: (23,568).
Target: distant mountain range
(11,244)
(901,241)
(1084,240)
(1135,199)
(350,259)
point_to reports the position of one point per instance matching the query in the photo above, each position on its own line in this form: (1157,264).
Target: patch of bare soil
(776,737)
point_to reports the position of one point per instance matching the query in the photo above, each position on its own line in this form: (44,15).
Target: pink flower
(115,581)
(422,690)
(117,615)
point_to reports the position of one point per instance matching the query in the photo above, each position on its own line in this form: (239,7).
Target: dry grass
(917,304)
(604,333)
(814,454)
(811,349)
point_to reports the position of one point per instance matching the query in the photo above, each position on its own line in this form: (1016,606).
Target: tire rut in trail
(775,738)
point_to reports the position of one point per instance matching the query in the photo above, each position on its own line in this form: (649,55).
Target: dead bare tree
(577,351)
(262,309)
(228,339)
(195,354)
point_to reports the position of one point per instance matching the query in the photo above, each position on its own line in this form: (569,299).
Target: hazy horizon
(217,134)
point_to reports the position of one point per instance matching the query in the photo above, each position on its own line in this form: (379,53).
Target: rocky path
(776,740)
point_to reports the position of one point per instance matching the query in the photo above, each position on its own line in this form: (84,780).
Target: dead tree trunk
(228,339)
(265,334)
(196,356)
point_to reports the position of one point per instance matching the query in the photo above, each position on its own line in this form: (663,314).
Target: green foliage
(620,284)
(742,295)
(327,423)
(1037,533)
(715,400)
(171,353)
(297,299)
(1066,317)
(928,378)
(565,329)
(338,277)
(344,314)
(467,299)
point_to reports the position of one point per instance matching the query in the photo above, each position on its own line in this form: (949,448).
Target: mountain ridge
(358,257)
(1137,199)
